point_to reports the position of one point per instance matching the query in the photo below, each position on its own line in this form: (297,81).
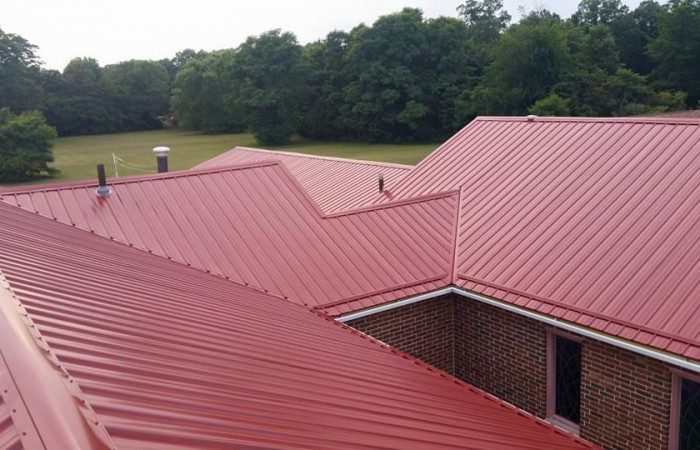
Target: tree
(204,95)
(529,59)
(677,49)
(384,100)
(592,12)
(140,92)
(20,89)
(77,102)
(599,49)
(327,75)
(551,105)
(634,32)
(452,65)
(268,77)
(485,19)
(25,146)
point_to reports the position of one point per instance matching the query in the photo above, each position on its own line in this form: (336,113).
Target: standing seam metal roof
(254,224)
(158,355)
(593,221)
(336,184)
(587,220)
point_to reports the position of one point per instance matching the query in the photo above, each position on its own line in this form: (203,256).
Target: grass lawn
(77,156)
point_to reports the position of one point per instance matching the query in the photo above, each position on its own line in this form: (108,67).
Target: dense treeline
(407,78)
(404,78)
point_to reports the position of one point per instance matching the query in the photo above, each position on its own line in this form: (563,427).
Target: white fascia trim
(390,306)
(578,329)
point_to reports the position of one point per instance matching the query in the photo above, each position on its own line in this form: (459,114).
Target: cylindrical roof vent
(162,158)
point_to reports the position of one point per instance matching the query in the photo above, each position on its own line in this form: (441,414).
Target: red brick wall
(502,353)
(625,397)
(424,330)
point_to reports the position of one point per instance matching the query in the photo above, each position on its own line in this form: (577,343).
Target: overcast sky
(113,31)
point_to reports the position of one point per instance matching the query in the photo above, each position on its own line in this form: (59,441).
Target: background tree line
(407,78)
(404,78)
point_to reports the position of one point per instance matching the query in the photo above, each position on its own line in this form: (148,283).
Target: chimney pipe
(162,158)
(381,181)
(102,190)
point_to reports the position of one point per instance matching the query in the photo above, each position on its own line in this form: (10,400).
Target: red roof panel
(158,355)
(595,217)
(254,224)
(588,220)
(336,184)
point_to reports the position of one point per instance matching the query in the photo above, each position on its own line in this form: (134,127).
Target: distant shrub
(25,146)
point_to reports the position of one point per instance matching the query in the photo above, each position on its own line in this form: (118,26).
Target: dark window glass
(568,379)
(689,419)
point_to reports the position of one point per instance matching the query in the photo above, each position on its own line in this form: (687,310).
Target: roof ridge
(329,158)
(75,184)
(666,120)
(393,204)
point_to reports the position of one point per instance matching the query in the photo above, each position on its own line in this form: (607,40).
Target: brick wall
(502,353)
(625,397)
(424,330)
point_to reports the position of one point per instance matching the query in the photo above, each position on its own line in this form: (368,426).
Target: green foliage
(403,78)
(384,99)
(140,92)
(268,77)
(77,101)
(25,146)
(20,88)
(677,49)
(592,12)
(485,19)
(529,59)
(551,105)
(203,95)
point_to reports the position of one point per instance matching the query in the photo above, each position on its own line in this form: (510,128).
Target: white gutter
(578,329)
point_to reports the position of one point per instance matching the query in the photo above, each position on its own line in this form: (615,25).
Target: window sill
(564,424)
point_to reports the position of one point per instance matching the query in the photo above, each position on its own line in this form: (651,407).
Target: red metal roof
(148,353)
(336,184)
(594,221)
(10,434)
(587,220)
(254,224)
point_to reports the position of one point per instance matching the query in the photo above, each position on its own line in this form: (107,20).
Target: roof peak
(22,188)
(631,119)
(328,158)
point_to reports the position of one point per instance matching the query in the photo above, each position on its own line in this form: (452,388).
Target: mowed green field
(77,156)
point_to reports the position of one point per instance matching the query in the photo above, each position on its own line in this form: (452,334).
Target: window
(685,413)
(564,380)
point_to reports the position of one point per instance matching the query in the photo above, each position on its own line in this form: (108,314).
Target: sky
(113,31)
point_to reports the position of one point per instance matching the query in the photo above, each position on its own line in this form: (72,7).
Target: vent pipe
(381,181)
(162,158)
(102,189)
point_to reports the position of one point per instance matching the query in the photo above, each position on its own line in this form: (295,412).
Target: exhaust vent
(102,189)
(162,158)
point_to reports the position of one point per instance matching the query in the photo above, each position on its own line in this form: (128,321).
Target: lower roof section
(164,356)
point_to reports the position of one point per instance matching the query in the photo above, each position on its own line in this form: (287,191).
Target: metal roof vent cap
(162,158)
(102,189)
(531,117)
